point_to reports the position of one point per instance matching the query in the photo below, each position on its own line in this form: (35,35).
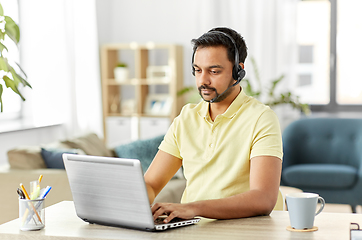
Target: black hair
(212,38)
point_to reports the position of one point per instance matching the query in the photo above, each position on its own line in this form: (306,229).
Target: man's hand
(172,210)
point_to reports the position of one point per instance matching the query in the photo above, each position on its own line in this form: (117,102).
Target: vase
(121,74)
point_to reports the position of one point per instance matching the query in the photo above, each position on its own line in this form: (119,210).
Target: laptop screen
(109,191)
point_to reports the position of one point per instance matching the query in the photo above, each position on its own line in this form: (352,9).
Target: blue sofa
(324,155)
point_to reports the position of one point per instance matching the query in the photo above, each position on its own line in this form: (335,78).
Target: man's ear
(242,65)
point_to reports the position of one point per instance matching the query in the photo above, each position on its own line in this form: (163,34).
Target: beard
(218,97)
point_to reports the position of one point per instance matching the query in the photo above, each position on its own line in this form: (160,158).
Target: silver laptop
(112,191)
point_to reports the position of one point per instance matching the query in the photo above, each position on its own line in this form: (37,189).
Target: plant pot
(121,74)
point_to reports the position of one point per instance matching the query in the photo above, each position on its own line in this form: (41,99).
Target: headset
(238,72)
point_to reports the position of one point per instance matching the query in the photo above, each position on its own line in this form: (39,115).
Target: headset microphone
(218,96)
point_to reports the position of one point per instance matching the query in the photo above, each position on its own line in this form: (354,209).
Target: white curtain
(59,53)
(268,28)
(60,49)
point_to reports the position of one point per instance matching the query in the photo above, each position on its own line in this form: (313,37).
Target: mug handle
(322,206)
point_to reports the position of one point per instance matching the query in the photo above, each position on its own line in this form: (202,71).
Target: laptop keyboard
(160,220)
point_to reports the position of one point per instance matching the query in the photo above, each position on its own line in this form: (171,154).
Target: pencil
(31,204)
(40,178)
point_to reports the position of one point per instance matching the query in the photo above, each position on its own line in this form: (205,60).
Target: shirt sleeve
(267,139)
(169,143)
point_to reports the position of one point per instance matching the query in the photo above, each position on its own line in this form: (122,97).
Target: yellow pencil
(31,204)
(40,178)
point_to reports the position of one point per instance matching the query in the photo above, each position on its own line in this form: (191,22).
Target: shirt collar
(230,112)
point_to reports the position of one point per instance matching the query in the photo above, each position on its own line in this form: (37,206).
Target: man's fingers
(170,217)
(159,210)
(154,207)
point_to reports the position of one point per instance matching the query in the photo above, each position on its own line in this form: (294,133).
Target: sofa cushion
(29,157)
(143,150)
(26,157)
(332,176)
(53,157)
(90,144)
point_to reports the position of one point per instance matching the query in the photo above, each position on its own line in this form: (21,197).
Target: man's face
(213,72)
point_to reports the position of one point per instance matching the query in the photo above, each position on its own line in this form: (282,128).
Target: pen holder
(31,214)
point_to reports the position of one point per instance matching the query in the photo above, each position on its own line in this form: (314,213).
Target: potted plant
(273,99)
(13,75)
(121,73)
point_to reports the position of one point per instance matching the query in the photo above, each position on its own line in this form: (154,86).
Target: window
(349,52)
(12,102)
(328,35)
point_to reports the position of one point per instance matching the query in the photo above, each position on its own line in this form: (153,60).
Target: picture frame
(158,73)
(158,104)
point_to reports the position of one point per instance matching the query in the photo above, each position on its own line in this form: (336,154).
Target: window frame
(333,105)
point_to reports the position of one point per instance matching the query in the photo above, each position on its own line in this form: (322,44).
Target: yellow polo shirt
(216,154)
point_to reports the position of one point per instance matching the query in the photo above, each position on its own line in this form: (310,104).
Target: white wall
(263,24)
(29,137)
(160,21)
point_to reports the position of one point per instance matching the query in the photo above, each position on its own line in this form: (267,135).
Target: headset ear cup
(241,73)
(238,73)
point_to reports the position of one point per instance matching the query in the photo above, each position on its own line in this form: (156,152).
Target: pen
(40,178)
(43,195)
(46,191)
(30,203)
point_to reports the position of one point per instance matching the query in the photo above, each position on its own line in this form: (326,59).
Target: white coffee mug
(302,209)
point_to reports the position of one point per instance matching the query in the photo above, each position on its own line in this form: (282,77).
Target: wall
(28,137)
(160,21)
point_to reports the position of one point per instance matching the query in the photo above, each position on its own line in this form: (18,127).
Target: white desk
(61,223)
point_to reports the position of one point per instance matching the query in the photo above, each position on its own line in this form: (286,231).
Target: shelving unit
(142,97)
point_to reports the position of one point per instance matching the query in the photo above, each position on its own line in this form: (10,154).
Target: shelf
(137,115)
(136,81)
(156,76)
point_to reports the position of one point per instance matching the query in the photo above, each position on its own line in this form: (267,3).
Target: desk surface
(62,223)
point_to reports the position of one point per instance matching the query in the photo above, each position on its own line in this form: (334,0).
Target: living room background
(60,42)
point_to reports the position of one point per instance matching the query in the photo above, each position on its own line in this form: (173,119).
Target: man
(229,144)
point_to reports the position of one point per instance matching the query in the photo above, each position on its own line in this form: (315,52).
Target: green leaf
(2,47)
(2,35)
(16,77)
(12,84)
(183,91)
(1,100)
(12,29)
(22,80)
(4,64)
(21,70)
(1,14)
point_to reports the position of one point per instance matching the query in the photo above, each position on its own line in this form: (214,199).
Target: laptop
(112,191)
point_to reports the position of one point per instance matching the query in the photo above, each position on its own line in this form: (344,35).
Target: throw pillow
(25,157)
(53,157)
(143,150)
(29,157)
(90,144)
